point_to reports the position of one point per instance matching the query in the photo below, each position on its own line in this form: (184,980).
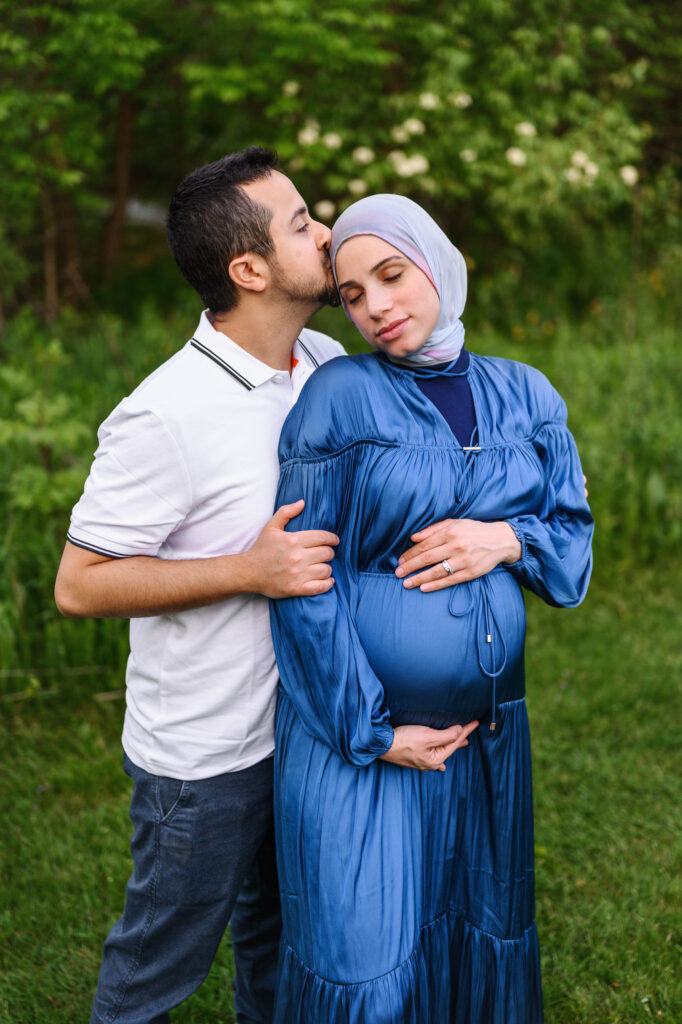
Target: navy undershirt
(453,399)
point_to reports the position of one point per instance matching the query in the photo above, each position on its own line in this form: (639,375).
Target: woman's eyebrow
(388,259)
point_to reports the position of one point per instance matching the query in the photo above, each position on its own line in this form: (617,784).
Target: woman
(407,895)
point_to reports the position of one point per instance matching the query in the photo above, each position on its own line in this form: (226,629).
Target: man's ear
(249,272)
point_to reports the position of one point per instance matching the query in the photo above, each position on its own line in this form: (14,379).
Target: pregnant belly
(431,651)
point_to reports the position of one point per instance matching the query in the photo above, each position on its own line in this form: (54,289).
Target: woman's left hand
(467,547)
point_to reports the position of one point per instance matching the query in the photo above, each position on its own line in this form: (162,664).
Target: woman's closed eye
(384,280)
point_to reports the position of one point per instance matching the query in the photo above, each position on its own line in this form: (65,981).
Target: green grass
(605,721)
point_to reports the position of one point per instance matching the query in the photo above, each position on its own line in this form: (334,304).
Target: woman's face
(390,300)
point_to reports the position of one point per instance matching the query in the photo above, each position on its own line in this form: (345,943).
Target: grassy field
(604,704)
(603,680)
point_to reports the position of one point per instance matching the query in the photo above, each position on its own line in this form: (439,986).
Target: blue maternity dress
(407,896)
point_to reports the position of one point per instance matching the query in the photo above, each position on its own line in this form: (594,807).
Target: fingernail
(408,584)
(400,571)
(401,559)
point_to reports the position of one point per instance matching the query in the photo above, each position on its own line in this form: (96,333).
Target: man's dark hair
(211,220)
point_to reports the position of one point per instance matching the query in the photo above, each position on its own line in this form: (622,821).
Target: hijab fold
(406,226)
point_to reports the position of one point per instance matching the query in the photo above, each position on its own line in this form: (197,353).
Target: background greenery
(545,139)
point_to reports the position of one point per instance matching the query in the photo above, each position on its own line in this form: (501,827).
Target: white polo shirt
(187,468)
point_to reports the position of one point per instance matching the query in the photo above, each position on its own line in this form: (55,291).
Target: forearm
(140,586)
(278,564)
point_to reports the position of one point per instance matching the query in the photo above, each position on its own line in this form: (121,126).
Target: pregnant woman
(407,894)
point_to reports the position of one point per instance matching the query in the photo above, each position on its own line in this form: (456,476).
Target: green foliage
(526,129)
(617,368)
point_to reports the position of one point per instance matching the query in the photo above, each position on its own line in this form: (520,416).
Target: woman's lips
(393,330)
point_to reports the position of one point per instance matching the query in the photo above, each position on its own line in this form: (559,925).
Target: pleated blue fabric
(408,896)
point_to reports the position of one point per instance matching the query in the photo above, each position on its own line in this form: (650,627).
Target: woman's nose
(378,301)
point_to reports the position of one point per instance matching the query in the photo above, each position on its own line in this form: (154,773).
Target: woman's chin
(400,347)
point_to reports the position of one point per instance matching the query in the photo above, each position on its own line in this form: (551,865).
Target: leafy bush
(617,368)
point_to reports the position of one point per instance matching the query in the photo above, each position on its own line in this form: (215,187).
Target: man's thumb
(285,513)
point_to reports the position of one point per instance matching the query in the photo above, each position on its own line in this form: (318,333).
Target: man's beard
(306,289)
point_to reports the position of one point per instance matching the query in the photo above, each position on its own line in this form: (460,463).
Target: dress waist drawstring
(486,627)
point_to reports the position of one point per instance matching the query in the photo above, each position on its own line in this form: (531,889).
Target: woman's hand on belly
(417,746)
(468,547)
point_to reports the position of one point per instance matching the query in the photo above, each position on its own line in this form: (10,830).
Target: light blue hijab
(410,229)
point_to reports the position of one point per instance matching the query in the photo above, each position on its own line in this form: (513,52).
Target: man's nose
(323,235)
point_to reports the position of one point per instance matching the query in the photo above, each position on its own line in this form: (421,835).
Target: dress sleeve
(323,667)
(556,545)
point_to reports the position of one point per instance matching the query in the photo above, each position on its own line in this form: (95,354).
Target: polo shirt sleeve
(138,490)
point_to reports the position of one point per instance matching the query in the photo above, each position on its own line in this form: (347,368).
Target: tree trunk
(122,161)
(75,287)
(51,300)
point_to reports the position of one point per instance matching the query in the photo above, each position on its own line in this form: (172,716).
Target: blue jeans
(203,854)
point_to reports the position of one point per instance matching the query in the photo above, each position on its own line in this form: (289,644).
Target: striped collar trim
(206,351)
(243,367)
(308,354)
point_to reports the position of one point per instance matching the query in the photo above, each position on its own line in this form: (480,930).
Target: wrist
(389,754)
(241,572)
(510,544)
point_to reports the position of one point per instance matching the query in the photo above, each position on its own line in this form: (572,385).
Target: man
(174,530)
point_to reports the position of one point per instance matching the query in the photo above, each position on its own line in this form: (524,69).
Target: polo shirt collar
(235,360)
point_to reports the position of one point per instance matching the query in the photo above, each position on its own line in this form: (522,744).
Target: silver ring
(446,566)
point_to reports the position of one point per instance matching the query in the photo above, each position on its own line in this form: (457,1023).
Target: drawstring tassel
(493,724)
(493,672)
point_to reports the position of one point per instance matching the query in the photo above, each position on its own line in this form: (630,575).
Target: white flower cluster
(363,155)
(412,126)
(291,88)
(526,129)
(629,174)
(357,187)
(429,101)
(462,100)
(582,170)
(325,209)
(407,166)
(516,156)
(309,133)
(469,156)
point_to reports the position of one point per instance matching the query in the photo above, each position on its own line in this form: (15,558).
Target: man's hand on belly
(455,551)
(417,746)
